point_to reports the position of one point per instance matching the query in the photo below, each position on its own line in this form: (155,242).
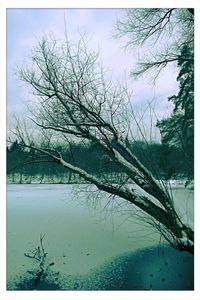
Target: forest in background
(163,161)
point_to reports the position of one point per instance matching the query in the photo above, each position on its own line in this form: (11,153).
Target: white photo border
(93,295)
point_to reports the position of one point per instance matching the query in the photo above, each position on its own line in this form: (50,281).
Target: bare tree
(75,100)
(163,31)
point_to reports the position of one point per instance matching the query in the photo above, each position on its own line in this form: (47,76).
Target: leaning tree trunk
(76,100)
(160,209)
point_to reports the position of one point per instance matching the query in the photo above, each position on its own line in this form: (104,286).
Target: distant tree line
(163,161)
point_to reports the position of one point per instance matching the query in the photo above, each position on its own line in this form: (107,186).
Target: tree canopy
(169,32)
(162,32)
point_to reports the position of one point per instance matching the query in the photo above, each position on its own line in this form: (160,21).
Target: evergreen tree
(178,130)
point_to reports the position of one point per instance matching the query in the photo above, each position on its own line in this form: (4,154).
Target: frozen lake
(79,236)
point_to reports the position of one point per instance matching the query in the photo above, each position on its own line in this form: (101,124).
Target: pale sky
(25,27)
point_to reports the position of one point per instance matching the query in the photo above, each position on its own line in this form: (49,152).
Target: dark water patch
(160,268)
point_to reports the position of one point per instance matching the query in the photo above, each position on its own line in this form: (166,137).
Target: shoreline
(174,183)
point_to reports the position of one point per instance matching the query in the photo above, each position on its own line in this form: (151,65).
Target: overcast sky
(25,27)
